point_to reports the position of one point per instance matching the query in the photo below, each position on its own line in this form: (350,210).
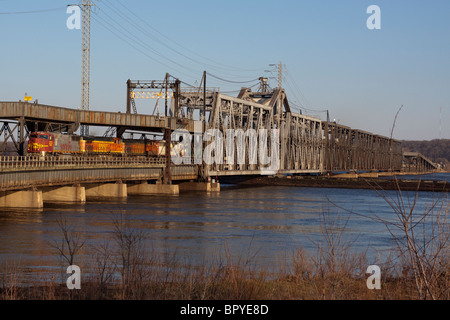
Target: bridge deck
(27,172)
(45,113)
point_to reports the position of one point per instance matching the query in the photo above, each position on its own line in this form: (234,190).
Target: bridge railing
(8,163)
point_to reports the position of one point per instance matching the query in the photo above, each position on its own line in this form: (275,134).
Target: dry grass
(226,282)
(154,277)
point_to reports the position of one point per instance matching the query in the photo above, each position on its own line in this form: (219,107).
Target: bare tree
(422,238)
(70,244)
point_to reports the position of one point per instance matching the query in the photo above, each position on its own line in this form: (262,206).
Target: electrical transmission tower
(280,67)
(280,75)
(85,60)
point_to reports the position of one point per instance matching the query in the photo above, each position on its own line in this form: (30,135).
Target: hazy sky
(332,60)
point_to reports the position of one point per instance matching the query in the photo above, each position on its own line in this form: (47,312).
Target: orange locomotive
(57,143)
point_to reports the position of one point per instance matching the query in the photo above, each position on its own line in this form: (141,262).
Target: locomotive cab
(41,142)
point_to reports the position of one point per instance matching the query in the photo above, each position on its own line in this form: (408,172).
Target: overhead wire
(237,91)
(123,30)
(132,22)
(145,32)
(139,46)
(295,96)
(296,103)
(296,90)
(131,36)
(230,81)
(33,11)
(183,47)
(297,87)
(153,37)
(135,47)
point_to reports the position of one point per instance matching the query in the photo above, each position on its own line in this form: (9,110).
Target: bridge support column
(64,194)
(106,190)
(200,186)
(149,189)
(21,199)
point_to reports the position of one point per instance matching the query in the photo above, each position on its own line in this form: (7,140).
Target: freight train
(48,143)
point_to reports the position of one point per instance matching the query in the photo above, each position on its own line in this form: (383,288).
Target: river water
(266,224)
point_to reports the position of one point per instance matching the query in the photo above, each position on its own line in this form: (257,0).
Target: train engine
(60,144)
(44,143)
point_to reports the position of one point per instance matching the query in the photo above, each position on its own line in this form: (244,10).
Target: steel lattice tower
(280,75)
(85,60)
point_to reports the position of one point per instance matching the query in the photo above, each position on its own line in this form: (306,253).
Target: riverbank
(351,182)
(325,277)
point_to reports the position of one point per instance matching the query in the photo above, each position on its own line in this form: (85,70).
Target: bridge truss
(305,144)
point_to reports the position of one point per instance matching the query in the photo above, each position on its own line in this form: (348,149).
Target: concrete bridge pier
(210,186)
(145,188)
(64,194)
(106,190)
(21,199)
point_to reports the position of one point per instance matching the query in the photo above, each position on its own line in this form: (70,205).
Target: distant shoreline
(351,183)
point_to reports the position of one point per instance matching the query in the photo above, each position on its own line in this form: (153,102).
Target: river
(263,224)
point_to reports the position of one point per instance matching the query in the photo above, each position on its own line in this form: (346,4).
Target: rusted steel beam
(44,113)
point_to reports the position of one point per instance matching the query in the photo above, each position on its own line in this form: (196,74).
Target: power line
(126,40)
(139,28)
(231,81)
(198,59)
(297,89)
(183,47)
(85,60)
(129,36)
(145,32)
(34,11)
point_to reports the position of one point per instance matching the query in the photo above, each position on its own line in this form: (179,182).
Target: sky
(331,59)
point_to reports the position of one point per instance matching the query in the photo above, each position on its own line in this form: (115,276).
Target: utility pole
(85,60)
(204,101)
(166,85)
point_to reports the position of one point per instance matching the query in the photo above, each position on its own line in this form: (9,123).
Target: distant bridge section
(417,162)
(348,149)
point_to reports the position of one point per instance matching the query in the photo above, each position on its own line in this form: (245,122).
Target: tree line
(437,150)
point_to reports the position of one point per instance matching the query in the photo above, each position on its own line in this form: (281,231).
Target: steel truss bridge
(306,144)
